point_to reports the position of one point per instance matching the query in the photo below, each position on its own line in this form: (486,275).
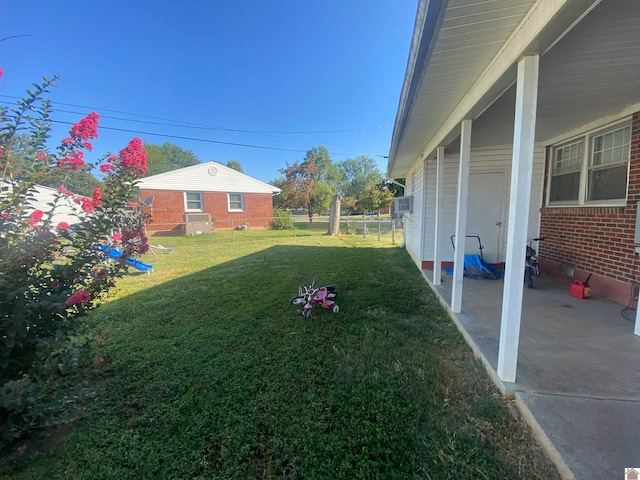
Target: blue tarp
(132,262)
(476,267)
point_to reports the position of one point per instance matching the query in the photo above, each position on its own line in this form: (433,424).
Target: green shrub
(281,220)
(53,273)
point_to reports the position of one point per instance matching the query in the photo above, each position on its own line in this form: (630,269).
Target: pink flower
(87,127)
(116,237)
(68,141)
(62,189)
(81,296)
(41,156)
(1,73)
(37,215)
(106,167)
(76,162)
(88,146)
(97,197)
(87,205)
(63,226)
(133,157)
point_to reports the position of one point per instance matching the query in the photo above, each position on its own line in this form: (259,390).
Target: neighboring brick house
(231,198)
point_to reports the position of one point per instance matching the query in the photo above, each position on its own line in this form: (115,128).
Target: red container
(580,290)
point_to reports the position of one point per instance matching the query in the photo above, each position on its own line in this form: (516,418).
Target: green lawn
(208,372)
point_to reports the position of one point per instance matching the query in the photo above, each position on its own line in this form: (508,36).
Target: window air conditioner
(403,204)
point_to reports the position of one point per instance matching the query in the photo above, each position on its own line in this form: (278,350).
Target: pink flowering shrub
(52,274)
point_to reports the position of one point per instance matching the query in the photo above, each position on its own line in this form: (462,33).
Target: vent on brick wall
(197,223)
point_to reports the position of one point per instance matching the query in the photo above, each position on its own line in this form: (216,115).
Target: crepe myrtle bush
(51,273)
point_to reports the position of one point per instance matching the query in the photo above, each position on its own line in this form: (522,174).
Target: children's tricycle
(310,296)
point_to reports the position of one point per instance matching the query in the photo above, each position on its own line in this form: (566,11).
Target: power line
(210,126)
(205,140)
(177,125)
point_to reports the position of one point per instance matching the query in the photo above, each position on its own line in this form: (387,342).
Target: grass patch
(209,372)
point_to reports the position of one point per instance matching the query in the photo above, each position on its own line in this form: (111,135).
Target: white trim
(241,209)
(423,208)
(186,203)
(437,248)
(586,137)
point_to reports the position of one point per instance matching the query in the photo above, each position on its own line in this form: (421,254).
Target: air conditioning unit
(197,223)
(403,204)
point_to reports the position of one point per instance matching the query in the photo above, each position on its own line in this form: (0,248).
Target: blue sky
(332,67)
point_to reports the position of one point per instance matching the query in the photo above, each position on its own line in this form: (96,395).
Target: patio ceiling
(462,65)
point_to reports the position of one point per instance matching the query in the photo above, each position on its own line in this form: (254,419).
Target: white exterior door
(486,215)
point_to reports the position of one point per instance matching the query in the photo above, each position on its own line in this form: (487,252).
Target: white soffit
(472,59)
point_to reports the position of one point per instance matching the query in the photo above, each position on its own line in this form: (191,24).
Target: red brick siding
(598,240)
(168,210)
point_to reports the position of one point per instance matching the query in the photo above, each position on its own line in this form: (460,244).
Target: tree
(79,181)
(24,149)
(235,164)
(277,199)
(326,170)
(167,157)
(357,175)
(376,197)
(305,187)
(52,275)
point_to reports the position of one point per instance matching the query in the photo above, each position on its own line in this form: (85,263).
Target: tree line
(308,184)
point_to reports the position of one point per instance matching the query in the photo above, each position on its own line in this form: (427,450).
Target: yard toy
(115,254)
(531,263)
(310,296)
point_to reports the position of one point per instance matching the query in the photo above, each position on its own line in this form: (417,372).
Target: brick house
(518,120)
(582,239)
(230,198)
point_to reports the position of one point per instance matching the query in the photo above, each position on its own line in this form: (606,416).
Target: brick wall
(597,240)
(168,210)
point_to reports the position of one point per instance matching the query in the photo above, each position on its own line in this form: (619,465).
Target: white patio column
(637,329)
(437,254)
(519,204)
(461,216)
(423,213)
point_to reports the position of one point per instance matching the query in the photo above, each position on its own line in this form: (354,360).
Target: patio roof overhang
(462,65)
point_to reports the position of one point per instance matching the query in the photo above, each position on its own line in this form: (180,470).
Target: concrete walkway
(578,377)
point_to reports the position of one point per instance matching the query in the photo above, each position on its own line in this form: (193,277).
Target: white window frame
(587,140)
(186,202)
(241,209)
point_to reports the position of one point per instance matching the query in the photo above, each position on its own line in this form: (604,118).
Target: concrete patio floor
(578,381)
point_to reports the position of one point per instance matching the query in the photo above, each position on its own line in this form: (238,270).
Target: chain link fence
(384,229)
